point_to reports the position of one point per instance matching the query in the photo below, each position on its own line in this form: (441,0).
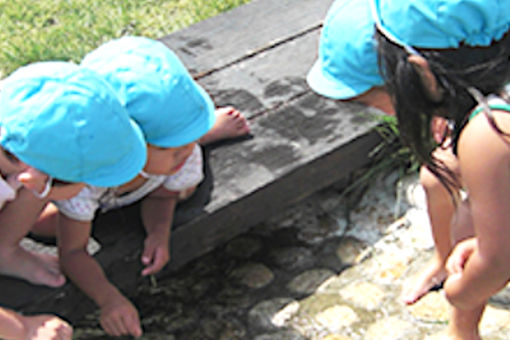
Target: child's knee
(185,194)
(429,181)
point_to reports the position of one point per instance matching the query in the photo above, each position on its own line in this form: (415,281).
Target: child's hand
(120,317)
(155,254)
(439,127)
(459,256)
(46,327)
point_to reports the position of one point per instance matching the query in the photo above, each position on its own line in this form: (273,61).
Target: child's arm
(118,315)
(157,212)
(39,327)
(485,166)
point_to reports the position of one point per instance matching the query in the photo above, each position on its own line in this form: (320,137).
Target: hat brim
(335,89)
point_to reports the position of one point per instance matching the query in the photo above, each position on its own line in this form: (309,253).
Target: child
(347,70)
(14,325)
(174,114)
(450,59)
(55,119)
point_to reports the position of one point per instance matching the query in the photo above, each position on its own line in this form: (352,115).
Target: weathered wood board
(255,58)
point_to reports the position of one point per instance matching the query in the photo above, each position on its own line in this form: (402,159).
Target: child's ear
(429,81)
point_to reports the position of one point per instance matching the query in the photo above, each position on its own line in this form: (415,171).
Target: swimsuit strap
(495,106)
(493,103)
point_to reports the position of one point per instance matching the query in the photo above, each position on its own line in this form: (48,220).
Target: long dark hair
(456,70)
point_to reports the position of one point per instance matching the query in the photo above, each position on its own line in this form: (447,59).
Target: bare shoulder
(484,152)
(479,135)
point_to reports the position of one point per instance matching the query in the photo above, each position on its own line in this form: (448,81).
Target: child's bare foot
(39,269)
(433,275)
(230,123)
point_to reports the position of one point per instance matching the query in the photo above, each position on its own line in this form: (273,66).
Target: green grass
(39,30)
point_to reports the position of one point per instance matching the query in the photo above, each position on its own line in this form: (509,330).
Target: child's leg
(16,219)
(46,224)
(463,324)
(440,209)
(230,123)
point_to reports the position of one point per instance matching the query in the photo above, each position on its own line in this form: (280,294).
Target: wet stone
(314,229)
(337,317)
(234,297)
(332,285)
(291,258)
(363,294)
(243,247)
(154,317)
(391,328)
(173,324)
(309,281)
(282,317)
(222,329)
(252,275)
(349,249)
(262,315)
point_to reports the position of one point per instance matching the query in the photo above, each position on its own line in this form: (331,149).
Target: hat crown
(443,23)
(156,89)
(67,121)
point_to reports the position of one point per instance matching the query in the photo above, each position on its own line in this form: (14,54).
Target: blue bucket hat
(347,63)
(442,23)
(67,122)
(157,90)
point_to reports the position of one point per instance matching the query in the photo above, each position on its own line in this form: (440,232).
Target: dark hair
(485,68)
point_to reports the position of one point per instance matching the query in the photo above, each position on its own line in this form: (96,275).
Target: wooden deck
(255,58)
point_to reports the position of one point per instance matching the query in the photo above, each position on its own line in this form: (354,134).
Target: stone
(309,281)
(337,317)
(281,318)
(224,329)
(494,320)
(261,316)
(391,328)
(432,307)
(291,258)
(363,294)
(388,267)
(349,249)
(252,275)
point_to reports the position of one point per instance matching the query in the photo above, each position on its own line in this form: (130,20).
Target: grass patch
(40,30)
(388,156)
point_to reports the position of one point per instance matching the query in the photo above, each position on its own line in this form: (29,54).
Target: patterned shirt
(83,206)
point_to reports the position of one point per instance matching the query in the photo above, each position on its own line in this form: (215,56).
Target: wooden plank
(267,80)
(226,39)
